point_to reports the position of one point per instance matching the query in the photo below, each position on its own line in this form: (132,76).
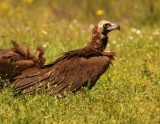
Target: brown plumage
(75,69)
(17,59)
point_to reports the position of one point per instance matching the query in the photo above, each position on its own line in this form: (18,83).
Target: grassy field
(129,92)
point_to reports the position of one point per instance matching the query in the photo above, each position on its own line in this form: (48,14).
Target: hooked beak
(113,27)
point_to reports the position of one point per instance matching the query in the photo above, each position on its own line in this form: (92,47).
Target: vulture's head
(105,27)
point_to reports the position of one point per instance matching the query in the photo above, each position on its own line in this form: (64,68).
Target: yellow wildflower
(3,5)
(100,12)
(28,1)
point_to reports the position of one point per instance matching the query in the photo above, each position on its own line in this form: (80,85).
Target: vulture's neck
(98,41)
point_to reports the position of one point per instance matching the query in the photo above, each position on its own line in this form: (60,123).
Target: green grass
(129,92)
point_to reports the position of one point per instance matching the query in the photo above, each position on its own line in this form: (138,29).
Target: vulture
(75,69)
(17,59)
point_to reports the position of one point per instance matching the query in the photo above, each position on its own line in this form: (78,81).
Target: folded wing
(66,75)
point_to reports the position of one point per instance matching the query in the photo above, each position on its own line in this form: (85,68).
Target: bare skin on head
(74,69)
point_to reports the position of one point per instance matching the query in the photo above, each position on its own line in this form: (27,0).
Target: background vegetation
(128,93)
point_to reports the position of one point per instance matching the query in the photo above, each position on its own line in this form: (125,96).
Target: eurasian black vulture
(19,58)
(74,69)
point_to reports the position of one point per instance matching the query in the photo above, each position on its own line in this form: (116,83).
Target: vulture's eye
(106,25)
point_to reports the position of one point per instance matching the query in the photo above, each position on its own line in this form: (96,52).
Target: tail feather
(20,49)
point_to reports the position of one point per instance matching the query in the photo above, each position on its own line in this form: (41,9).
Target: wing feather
(65,75)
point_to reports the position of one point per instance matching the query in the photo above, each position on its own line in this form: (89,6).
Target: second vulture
(17,59)
(74,69)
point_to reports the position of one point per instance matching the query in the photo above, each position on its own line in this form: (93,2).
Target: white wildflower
(156,32)
(28,28)
(44,32)
(130,38)
(108,45)
(70,26)
(133,30)
(138,32)
(114,42)
(45,44)
(117,45)
(75,21)
(83,31)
